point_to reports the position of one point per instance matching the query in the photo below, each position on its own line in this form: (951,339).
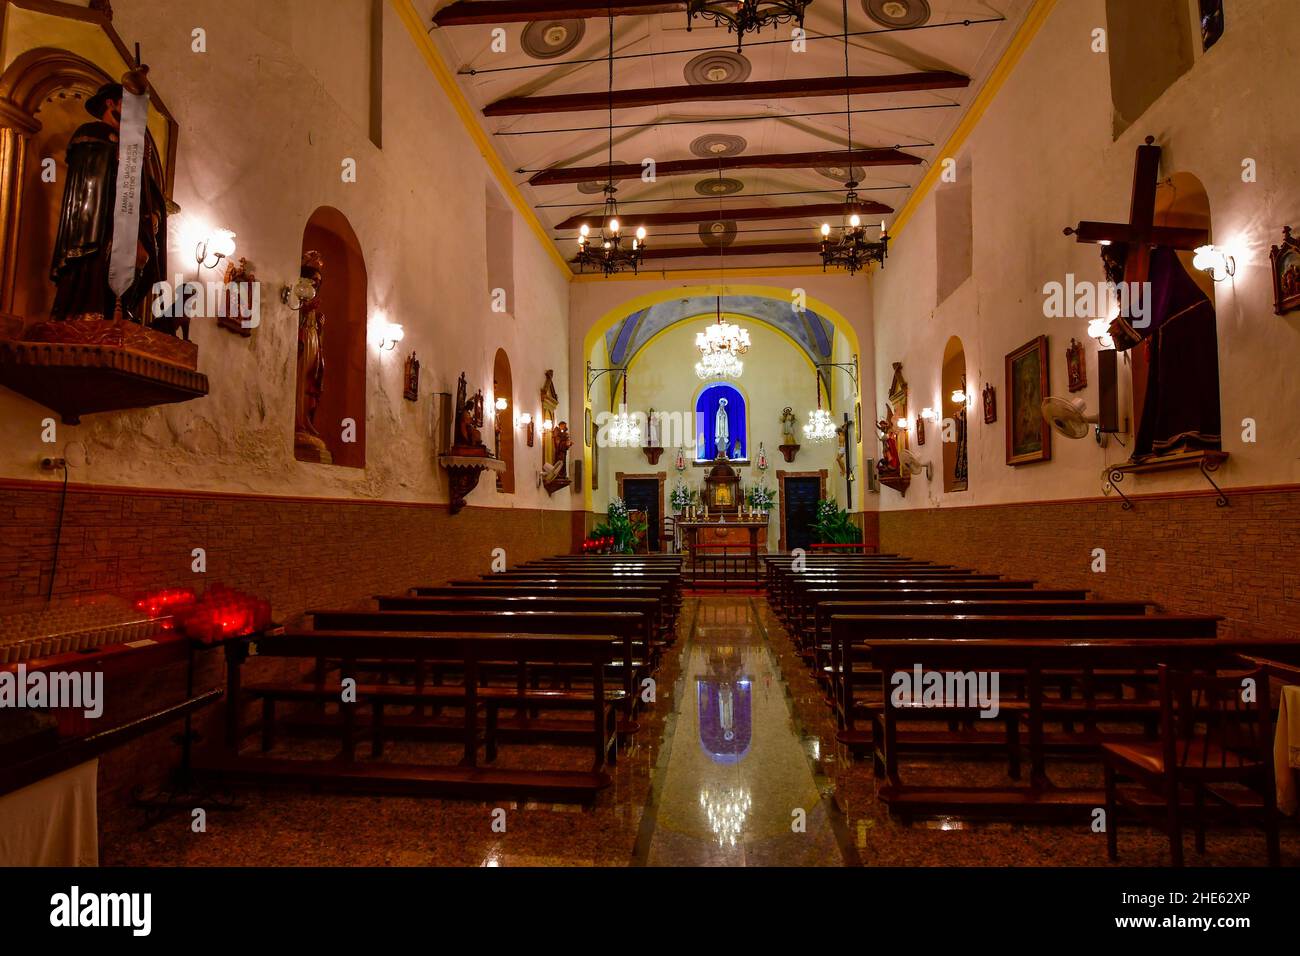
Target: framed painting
(1285,262)
(1029,437)
(857,421)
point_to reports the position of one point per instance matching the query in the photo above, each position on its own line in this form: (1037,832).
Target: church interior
(538,433)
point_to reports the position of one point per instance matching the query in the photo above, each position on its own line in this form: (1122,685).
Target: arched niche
(503,420)
(343,302)
(707,402)
(956,455)
(1181,201)
(42,103)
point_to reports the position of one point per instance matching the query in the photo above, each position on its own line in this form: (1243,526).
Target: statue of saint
(562,445)
(652,430)
(788,424)
(308,445)
(889,444)
(721,429)
(469,419)
(82,249)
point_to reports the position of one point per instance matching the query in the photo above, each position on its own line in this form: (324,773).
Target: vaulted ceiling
(749,147)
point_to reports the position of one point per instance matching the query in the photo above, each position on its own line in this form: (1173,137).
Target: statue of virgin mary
(721,429)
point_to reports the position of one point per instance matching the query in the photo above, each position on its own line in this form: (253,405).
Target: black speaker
(1108,390)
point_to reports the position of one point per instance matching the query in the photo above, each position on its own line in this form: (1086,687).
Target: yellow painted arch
(596,334)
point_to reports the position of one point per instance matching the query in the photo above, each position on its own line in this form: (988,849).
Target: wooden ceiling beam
(496,12)
(687,167)
(742,249)
(717,92)
(748,213)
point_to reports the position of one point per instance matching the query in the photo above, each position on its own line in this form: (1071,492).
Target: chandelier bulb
(855,220)
(826,229)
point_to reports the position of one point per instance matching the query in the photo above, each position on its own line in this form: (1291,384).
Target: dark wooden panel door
(799,501)
(642,494)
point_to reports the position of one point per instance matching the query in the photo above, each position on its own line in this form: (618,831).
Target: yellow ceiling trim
(1036,17)
(469,119)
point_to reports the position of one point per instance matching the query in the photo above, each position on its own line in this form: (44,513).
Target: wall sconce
(903,424)
(214,247)
(548,425)
(1215,261)
(297,296)
(1099,329)
(527,421)
(388,334)
(501,404)
(960,397)
(929,414)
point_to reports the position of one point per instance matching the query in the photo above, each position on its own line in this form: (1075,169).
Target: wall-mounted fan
(1070,417)
(915,466)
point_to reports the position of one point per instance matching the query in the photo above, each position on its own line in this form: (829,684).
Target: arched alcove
(503,420)
(342,301)
(956,457)
(1175,372)
(707,404)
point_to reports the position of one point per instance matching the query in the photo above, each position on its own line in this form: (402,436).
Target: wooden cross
(1141,233)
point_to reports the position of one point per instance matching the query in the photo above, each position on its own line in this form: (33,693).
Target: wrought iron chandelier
(624,431)
(608,250)
(745,16)
(820,426)
(851,250)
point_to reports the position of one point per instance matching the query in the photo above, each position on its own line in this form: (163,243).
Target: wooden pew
(591,653)
(670,591)
(631,630)
(1036,657)
(811,624)
(659,632)
(790,585)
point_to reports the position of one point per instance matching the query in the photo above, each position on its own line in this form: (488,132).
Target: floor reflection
(738,788)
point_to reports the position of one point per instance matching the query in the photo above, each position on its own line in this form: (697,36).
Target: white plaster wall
(1042,158)
(261,144)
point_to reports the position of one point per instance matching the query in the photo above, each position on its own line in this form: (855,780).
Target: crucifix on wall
(1167,321)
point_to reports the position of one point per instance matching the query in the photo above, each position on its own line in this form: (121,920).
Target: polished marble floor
(736,784)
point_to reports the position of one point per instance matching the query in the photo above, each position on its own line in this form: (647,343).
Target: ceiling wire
(709,49)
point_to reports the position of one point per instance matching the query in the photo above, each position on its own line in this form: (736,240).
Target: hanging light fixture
(608,250)
(851,250)
(820,427)
(745,16)
(624,432)
(723,342)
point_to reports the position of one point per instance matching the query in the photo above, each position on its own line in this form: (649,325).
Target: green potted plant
(834,526)
(619,526)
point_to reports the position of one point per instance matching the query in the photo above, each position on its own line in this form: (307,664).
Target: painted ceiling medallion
(720,232)
(547,39)
(841,174)
(718,144)
(719,186)
(897,13)
(717,66)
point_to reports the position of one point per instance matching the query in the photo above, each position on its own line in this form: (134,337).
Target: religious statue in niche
(960,465)
(1076,370)
(889,461)
(652,448)
(990,404)
(468,438)
(411,380)
(721,429)
(90,281)
(308,445)
(839,448)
